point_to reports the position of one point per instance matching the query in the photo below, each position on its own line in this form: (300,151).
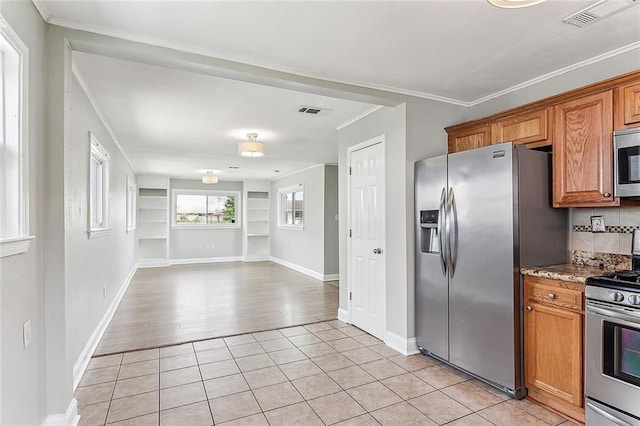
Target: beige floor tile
(333,362)
(182,395)
(233,407)
(276,396)
(537,411)
(336,407)
(439,407)
(297,414)
(317,349)
(248,349)
(316,386)
(352,331)
(362,355)
(401,413)
(294,331)
(276,344)
(105,361)
(319,326)
(286,356)
(139,356)
(414,362)
(254,420)
(329,335)
(345,344)
(95,393)
(407,386)
(136,385)
(264,377)
(440,377)
(382,369)
(493,391)
(99,375)
(304,339)
(367,340)
(242,339)
(471,396)
(179,377)
(267,335)
(505,414)
(219,369)
(470,420)
(385,351)
(133,406)
(363,420)
(351,377)
(193,415)
(207,345)
(373,396)
(299,369)
(337,324)
(186,348)
(226,385)
(147,420)
(137,369)
(93,414)
(254,362)
(177,362)
(213,355)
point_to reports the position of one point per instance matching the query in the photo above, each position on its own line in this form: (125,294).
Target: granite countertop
(565,272)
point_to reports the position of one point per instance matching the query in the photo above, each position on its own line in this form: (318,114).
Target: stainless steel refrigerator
(481,215)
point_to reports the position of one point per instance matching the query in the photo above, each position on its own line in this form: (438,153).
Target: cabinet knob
(528,308)
(607,194)
(551,296)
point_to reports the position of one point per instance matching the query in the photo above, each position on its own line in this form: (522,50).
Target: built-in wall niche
(153,220)
(256,230)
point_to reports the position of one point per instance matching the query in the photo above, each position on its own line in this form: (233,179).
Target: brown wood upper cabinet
(583,152)
(470,138)
(627,101)
(531,128)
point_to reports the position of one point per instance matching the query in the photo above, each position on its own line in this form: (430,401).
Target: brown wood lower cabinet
(553,344)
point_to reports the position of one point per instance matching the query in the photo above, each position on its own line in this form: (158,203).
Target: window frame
(283,192)
(19,243)
(99,154)
(131,205)
(206,192)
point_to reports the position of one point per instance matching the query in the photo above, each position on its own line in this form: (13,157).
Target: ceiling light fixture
(514,4)
(251,148)
(209,178)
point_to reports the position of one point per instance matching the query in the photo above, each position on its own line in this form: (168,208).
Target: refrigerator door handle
(441,230)
(452,234)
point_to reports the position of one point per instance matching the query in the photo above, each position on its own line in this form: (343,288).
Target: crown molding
(42,10)
(358,117)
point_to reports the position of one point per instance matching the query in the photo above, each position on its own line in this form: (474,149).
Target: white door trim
(381,139)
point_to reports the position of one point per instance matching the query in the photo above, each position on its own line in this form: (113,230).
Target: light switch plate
(26,333)
(597,224)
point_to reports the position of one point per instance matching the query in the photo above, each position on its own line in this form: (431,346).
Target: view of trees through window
(205,209)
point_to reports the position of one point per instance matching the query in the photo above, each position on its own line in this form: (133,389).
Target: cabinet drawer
(553,293)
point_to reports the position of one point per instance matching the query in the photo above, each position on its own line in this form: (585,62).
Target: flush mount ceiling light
(251,148)
(514,4)
(209,178)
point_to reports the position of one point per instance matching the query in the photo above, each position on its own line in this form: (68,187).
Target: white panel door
(367,258)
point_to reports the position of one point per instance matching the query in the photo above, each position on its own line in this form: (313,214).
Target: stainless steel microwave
(626,163)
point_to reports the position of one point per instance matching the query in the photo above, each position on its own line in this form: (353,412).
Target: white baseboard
(331,277)
(343,315)
(256,258)
(69,418)
(83,360)
(301,269)
(192,261)
(153,263)
(400,344)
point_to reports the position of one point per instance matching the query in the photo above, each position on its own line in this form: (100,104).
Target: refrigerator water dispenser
(429,231)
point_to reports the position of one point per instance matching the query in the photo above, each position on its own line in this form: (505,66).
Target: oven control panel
(617,296)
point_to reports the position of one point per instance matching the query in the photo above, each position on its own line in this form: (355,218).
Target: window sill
(292,227)
(99,232)
(201,227)
(13,246)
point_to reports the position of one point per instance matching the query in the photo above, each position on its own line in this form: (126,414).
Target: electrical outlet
(104,291)
(26,333)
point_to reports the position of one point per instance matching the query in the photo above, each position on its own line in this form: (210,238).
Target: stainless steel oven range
(612,349)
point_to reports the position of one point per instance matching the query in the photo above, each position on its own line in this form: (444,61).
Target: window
(205,209)
(98,189)
(131,205)
(14,188)
(291,207)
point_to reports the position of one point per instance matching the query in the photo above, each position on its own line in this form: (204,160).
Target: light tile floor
(322,373)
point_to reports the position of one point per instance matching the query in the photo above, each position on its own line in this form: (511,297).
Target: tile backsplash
(619,225)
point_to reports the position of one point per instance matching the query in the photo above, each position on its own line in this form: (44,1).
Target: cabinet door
(583,152)
(627,106)
(469,139)
(553,352)
(531,128)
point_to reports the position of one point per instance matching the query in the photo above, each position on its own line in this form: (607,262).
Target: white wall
(22,290)
(194,243)
(331,225)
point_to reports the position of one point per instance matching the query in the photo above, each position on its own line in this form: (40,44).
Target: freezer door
(431,283)
(481,287)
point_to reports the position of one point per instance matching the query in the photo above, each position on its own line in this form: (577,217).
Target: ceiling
(459,51)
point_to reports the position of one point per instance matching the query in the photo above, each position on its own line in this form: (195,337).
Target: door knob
(377,251)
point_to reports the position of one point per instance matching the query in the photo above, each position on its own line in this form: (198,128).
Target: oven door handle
(607,416)
(610,312)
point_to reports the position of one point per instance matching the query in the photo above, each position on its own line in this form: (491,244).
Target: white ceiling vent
(312,110)
(598,11)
